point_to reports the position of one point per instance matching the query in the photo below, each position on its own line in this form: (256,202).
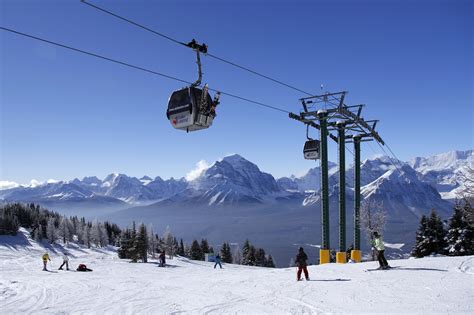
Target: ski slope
(429,285)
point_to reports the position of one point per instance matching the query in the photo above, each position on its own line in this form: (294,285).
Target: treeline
(247,255)
(134,243)
(456,240)
(139,243)
(52,226)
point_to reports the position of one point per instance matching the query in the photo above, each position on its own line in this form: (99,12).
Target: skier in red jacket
(301,263)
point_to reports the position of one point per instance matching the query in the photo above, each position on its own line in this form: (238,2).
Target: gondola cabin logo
(181,119)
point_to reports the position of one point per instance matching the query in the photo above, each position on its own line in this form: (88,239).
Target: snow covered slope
(429,285)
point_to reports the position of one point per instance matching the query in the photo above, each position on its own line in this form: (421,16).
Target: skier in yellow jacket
(379,247)
(45,261)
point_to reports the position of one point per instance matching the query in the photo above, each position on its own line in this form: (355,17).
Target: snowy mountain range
(234,179)
(234,191)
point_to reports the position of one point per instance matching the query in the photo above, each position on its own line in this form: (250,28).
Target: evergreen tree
(439,233)
(237,256)
(460,236)
(250,259)
(196,251)
(187,250)
(245,252)
(125,244)
(133,248)
(260,257)
(175,246)
(153,241)
(269,262)
(9,224)
(181,248)
(142,243)
(226,255)
(430,237)
(87,234)
(204,248)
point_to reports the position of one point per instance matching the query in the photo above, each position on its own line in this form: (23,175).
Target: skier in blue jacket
(218,261)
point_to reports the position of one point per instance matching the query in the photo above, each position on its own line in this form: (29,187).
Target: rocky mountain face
(446,171)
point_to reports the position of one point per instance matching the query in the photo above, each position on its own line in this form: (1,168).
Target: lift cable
(139,68)
(390,158)
(184,44)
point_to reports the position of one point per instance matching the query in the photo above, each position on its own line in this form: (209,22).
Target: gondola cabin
(191,109)
(311,150)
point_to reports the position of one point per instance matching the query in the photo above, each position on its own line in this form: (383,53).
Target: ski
(378,269)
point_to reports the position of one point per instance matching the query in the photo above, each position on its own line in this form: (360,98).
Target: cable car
(311,147)
(311,150)
(192,108)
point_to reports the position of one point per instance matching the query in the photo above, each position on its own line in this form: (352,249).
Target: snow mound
(467,266)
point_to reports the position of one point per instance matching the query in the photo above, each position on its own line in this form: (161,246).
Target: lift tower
(328,113)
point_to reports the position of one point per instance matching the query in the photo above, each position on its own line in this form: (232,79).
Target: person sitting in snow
(301,263)
(45,261)
(379,247)
(218,261)
(83,267)
(65,262)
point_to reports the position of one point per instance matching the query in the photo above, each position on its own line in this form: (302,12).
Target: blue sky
(66,115)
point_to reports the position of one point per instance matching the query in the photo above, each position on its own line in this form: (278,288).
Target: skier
(379,247)
(65,262)
(348,252)
(162,259)
(301,263)
(45,261)
(218,261)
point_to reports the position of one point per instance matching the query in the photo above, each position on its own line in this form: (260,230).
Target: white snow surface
(429,285)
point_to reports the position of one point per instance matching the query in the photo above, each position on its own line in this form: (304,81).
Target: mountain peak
(442,161)
(234,158)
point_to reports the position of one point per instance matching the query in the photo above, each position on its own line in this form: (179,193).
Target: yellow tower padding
(324,256)
(341,257)
(356,255)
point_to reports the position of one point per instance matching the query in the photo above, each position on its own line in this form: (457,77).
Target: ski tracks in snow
(117,287)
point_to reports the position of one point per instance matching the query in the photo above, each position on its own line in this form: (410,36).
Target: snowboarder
(301,263)
(379,247)
(162,259)
(45,261)
(218,261)
(65,262)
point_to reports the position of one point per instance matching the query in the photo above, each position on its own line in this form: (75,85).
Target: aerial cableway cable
(207,54)
(138,68)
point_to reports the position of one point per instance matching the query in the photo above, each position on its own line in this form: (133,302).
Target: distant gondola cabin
(311,150)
